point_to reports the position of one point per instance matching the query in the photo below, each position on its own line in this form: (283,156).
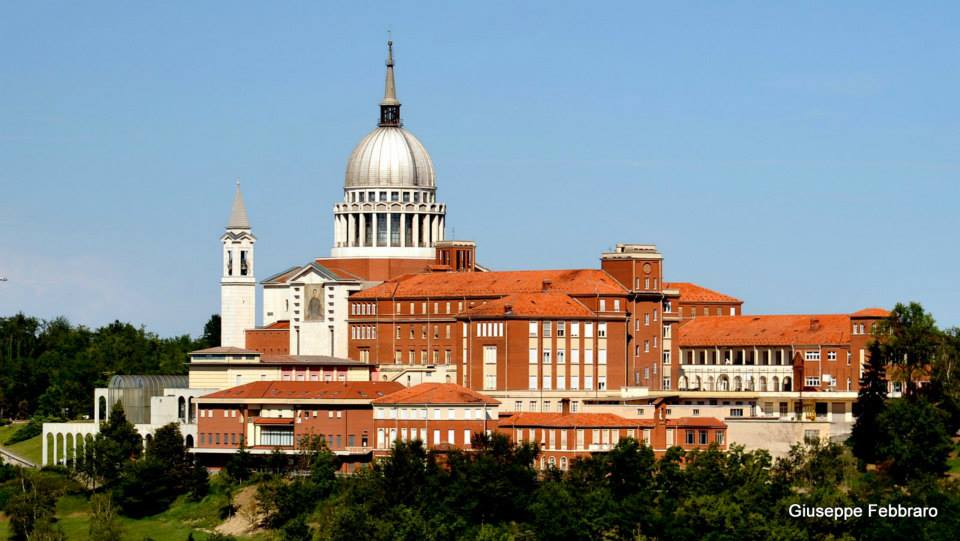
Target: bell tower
(238,287)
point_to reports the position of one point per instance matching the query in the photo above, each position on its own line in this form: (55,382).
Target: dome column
(416,229)
(350,230)
(403,229)
(389,238)
(376,229)
(363,230)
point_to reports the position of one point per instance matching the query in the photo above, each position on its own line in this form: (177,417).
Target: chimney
(814,324)
(547,284)
(507,309)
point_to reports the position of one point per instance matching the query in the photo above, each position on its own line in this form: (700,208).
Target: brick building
(441,415)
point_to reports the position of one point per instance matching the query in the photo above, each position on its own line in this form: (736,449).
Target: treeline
(494,493)
(50,368)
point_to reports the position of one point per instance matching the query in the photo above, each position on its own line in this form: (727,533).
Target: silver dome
(390,156)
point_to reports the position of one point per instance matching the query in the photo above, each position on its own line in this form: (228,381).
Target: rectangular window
(813,381)
(602,383)
(547,329)
(666,383)
(666,357)
(575,329)
(602,356)
(603,305)
(561,329)
(736,412)
(490,354)
(831,355)
(588,329)
(703,437)
(811,356)
(273,436)
(533,328)
(691,435)
(533,355)
(546,382)
(616,305)
(602,329)
(533,382)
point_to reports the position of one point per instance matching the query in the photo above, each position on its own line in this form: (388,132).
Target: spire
(390,106)
(238,214)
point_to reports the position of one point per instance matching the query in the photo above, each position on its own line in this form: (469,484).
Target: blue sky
(803,158)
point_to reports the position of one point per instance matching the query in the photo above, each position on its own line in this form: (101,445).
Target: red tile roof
(775,330)
(547,303)
(586,420)
(494,284)
(871,312)
(282,324)
(300,390)
(600,420)
(690,292)
(696,422)
(436,393)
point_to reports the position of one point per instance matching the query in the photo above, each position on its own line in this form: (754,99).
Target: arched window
(102,406)
(775,383)
(763,383)
(182,409)
(787,384)
(189,441)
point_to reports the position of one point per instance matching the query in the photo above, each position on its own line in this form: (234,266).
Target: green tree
(32,506)
(103,519)
(871,402)
(117,444)
(913,441)
(148,486)
(211,332)
(909,340)
(239,466)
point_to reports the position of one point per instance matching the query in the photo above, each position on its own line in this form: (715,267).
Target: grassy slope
(175,524)
(30,449)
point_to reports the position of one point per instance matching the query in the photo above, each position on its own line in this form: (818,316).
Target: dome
(390,156)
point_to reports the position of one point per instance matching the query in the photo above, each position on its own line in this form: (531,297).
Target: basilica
(400,334)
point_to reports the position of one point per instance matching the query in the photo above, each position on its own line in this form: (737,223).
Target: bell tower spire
(390,106)
(238,287)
